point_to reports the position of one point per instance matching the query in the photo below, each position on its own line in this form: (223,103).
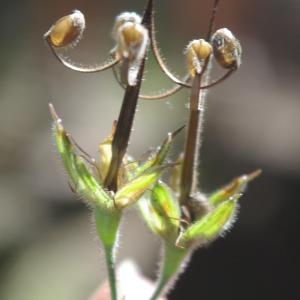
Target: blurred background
(48,247)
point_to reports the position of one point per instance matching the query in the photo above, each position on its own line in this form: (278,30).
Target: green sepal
(210,226)
(160,156)
(107,224)
(81,178)
(236,186)
(161,212)
(175,176)
(132,191)
(105,156)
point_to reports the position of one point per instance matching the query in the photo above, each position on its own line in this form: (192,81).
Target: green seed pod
(197,52)
(67,30)
(227,49)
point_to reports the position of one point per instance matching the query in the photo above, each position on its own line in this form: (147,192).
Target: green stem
(107,224)
(110,264)
(173,258)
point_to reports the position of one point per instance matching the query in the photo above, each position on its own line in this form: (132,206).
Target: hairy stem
(188,183)
(107,224)
(110,264)
(172,262)
(189,175)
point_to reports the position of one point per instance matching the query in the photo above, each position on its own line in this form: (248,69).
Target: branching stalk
(193,140)
(173,259)
(212,19)
(189,180)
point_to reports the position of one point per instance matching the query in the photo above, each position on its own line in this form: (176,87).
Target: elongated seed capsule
(196,53)
(67,30)
(227,49)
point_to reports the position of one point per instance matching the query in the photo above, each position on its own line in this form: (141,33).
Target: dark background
(48,248)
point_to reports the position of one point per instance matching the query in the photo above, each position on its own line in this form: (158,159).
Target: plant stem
(189,175)
(173,258)
(107,224)
(110,264)
(193,141)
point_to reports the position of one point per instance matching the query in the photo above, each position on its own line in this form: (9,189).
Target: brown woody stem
(193,140)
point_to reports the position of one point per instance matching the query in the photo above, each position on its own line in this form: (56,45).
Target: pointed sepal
(80,175)
(210,226)
(133,191)
(161,212)
(236,186)
(161,154)
(105,154)
(175,176)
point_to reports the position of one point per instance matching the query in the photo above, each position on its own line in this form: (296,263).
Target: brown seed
(67,30)
(227,49)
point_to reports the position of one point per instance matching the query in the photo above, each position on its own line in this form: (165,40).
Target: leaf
(160,156)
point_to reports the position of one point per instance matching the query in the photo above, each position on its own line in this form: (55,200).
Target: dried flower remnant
(132,40)
(197,52)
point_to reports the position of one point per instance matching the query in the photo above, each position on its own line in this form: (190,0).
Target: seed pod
(196,53)
(227,49)
(67,30)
